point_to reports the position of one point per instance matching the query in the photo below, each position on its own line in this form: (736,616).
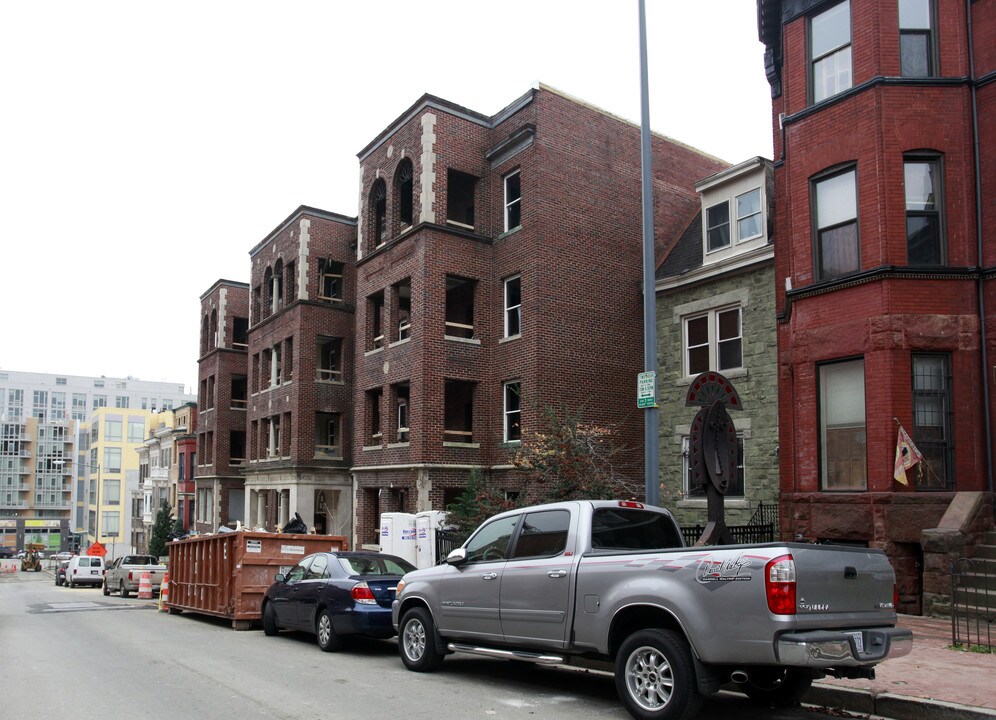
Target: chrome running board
(506,654)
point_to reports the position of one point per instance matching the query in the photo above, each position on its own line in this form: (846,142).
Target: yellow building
(112,473)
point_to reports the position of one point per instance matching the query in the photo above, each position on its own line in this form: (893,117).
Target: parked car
(64,555)
(85,570)
(124,575)
(335,594)
(612,580)
(60,572)
(6,552)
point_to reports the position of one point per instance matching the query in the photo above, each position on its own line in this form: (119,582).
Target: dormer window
(749,215)
(718,226)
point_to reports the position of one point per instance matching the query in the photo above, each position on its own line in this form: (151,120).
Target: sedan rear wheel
(327,638)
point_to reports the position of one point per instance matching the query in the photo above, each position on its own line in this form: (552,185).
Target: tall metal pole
(651,419)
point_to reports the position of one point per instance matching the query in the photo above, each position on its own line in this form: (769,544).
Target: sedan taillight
(362,594)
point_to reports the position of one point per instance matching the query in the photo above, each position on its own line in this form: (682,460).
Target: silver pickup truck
(124,575)
(612,581)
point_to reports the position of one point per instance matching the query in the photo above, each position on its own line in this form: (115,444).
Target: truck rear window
(614,528)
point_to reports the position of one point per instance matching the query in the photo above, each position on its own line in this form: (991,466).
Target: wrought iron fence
(759,529)
(973,604)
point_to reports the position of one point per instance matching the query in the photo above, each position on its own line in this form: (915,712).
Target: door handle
(557,573)
(489,576)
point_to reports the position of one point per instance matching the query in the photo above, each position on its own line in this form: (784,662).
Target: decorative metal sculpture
(713,449)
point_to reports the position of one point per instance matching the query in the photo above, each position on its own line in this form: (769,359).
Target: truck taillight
(779,585)
(362,594)
(895,597)
(130,578)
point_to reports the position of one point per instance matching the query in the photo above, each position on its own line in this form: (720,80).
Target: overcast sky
(145,148)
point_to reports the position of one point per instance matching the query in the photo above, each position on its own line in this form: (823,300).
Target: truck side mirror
(457,557)
(279,577)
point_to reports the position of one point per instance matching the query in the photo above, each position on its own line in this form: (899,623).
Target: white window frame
(508,415)
(403,428)
(513,310)
(836,61)
(513,203)
(713,341)
(828,218)
(759,214)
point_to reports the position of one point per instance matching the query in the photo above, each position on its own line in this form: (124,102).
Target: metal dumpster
(227,574)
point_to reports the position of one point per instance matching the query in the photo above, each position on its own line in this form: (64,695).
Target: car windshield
(373,565)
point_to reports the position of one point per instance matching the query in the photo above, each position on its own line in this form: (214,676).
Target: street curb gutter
(889,705)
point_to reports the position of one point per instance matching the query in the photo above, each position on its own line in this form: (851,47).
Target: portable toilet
(427,523)
(397,535)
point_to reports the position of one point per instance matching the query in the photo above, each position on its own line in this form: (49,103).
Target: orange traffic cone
(164,593)
(145,587)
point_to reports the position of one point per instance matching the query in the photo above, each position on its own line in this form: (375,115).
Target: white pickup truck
(124,575)
(612,581)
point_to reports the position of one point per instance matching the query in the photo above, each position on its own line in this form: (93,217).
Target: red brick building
(883,116)
(493,270)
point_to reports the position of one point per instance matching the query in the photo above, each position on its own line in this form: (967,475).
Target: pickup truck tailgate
(842,580)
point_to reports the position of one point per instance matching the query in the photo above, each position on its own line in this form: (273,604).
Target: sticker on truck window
(292,549)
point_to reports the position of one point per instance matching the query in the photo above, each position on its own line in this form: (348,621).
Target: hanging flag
(907,456)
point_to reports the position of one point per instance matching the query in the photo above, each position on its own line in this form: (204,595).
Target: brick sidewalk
(931,672)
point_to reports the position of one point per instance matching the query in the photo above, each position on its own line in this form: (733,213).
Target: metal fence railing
(973,604)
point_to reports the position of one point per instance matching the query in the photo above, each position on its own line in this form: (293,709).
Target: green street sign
(646,390)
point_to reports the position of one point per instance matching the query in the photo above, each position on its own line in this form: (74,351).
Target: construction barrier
(164,593)
(145,587)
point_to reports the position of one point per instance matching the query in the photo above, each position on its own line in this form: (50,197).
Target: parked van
(85,570)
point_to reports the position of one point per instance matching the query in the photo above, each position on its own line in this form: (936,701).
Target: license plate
(859,642)
(93,572)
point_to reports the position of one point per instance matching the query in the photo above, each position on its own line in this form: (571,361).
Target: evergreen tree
(161,529)
(481,498)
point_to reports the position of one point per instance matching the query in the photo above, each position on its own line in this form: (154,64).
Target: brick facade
(887,310)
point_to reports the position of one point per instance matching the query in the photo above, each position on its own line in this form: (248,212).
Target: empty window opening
(376,307)
(330,359)
(401,395)
(327,436)
(460,198)
(277,297)
(240,398)
(237,447)
(403,297)
(378,202)
(240,332)
(459,411)
(373,412)
(459,307)
(330,280)
(272,426)
(404,181)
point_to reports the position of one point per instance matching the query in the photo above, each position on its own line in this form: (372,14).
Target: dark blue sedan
(334,594)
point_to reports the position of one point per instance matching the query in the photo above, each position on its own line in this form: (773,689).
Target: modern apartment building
(884,127)
(493,271)
(43,459)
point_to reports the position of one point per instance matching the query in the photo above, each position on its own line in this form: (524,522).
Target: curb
(894,707)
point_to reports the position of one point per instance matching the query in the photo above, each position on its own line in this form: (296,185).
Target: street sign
(96,550)
(646,390)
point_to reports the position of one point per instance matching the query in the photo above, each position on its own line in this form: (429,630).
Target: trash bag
(296,525)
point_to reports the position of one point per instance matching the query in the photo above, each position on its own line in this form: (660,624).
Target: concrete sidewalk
(933,682)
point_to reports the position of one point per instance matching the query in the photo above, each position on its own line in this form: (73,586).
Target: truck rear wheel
(776,687)
(124,590)
(655,677)
(417,641)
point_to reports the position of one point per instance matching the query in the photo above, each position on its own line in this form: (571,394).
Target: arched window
(205,329)
(213,332)
(378,205)
(278,285)
(404,186)
(268,292)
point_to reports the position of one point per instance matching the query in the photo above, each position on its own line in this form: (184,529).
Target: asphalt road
(73,653)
